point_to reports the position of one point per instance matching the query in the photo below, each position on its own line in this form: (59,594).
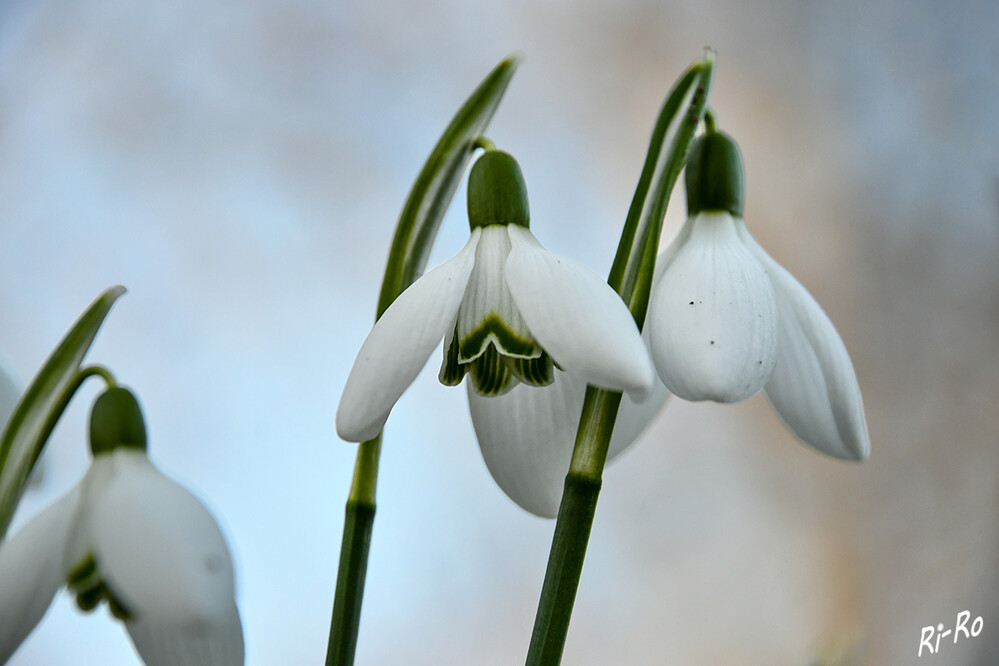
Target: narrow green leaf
(42,404)
(435,186)
(634,264)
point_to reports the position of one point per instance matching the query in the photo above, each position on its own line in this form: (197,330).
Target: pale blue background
(239,166)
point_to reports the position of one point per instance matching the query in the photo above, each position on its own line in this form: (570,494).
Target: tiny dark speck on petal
(692,302)
(712,342)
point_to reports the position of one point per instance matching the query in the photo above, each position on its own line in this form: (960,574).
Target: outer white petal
(31,571)
(713,315)
(399,345)
(527,436)
(813,387)
(576,317)
(161,554)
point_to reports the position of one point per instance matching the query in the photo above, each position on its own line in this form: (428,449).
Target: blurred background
(240,166)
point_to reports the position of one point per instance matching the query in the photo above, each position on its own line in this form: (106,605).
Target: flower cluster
(532,329)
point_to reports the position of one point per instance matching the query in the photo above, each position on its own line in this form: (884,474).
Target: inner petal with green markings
(490,341)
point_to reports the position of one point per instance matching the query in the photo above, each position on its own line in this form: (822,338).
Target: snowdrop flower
(129,536)
(725,320)
(509,313)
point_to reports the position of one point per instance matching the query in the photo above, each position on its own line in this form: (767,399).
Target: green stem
(572,530)
(82,375)
(484,143)
(710,126)
(358,524)
(92,370)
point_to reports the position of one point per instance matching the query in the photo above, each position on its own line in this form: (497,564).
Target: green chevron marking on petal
(494,330)
(452,371)
(532,371)
(489,374)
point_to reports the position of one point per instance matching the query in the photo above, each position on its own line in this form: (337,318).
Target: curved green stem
(484,143)
(82,375)
(96,370)
(36,413)
(62,401)
(710,126)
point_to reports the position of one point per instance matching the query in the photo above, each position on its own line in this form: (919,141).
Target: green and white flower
(509,313)
(127,535)
(725,320)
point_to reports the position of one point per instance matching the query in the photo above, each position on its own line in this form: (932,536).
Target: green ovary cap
(496,192)
(116,420)
(715,179)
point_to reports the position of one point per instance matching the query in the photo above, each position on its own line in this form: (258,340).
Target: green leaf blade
(43,402)
(672,137)
(435,185)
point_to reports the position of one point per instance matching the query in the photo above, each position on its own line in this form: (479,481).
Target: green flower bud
(116,420)
(496,192)
(715,179)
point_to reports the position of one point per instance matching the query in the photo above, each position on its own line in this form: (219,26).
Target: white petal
(218,644)
(713,315)
(160,553)
(31,571)
(527,436)
(577,318)
(399,345)
(813,387)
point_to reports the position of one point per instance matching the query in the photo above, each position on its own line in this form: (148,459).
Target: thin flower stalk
(631,276)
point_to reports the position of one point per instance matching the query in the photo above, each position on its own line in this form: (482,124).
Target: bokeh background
(240,166)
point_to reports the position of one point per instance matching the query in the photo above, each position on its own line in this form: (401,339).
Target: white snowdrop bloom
(129,536)
(713,317)
(508,311)
(725,320)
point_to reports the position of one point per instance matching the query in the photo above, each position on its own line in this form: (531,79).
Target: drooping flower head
(127,536)
(508,310)
(725,320)
(491,342)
